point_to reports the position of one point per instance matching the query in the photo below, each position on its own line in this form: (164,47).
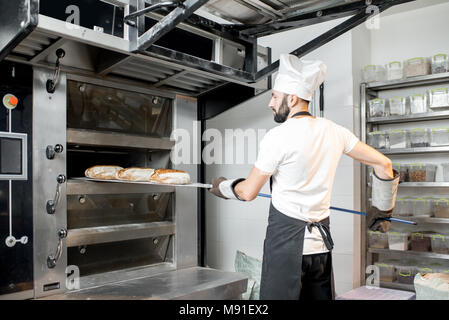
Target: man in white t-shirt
(301,156)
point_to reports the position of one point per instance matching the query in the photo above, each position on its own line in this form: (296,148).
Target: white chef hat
(299,77)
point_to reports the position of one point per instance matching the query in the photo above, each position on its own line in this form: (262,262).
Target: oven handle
(53,259)
(51,204)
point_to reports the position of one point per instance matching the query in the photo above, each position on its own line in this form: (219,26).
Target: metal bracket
(168,23)
(51,84)
(167,4)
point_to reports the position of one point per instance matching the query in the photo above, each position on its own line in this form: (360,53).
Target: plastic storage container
(445,167)
(373,73)
(377,108)
(403,207)
(422,207)
(440,243)
(399,139)
(419,137)
(405,274)
(439,98)
(421,172)
(395,70)
(421,241)
(403,171)
(398,240)
(378,139)
(439,137)
(440,63)
(424,270)
(398,106)
(377,239)
(418,103)
(387,272)
(419,66)
(441,208)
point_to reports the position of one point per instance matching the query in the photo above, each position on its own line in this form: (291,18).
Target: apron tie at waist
(324,231)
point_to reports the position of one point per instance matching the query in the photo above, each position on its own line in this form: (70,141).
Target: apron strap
(323,227)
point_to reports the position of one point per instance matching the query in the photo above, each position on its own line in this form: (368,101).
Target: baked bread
(135,174)
(103,172)
(170,176)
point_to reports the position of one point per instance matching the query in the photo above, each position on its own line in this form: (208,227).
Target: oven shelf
(96,235)
(75,187)
(112,139)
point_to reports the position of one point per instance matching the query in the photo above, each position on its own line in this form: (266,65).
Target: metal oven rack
(368,124)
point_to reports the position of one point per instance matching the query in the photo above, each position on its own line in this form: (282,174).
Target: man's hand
(375,219)
(215,190)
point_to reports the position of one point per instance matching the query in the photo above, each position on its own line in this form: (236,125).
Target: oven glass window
(11,156)
(108,109)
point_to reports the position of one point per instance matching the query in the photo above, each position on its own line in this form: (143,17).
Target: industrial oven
(98,82)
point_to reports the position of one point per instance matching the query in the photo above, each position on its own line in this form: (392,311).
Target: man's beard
(282,115)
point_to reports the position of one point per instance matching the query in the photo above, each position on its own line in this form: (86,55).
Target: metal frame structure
(361,11)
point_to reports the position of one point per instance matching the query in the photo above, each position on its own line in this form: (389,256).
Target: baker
(301,157)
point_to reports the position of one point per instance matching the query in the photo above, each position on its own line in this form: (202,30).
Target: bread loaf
(135,174)
(170,176)
(103,172)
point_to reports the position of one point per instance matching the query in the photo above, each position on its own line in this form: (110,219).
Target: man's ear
(292,100)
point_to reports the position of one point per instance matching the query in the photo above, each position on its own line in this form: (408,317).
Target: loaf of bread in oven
(170,176)
(135,174)
(103,172)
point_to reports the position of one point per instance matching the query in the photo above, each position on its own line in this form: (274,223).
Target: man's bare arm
(370,156)
(249,189)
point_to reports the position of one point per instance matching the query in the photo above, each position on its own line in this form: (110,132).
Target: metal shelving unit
(373,90)
(414,254)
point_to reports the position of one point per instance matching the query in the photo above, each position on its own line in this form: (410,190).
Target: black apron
(282,256)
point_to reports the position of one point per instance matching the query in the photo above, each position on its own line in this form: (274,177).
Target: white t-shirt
(302,154)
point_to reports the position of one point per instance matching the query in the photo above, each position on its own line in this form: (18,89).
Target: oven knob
(61,179)
(52,151)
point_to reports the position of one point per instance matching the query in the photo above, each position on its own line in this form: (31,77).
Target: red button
(13,101)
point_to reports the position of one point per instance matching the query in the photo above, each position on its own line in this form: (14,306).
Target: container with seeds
(442,208)
(440,243)
(406,274)
(419,137)
(440,63)
(418,103)
(439,137)
(377,108)
(377,239)
(395,71)
(403,171)
(419,66)
(421,241)
(421,172)
(386,271)
(398,106)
